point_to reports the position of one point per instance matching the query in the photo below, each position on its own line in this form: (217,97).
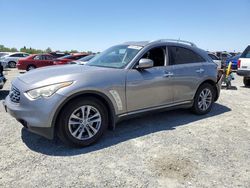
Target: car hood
(55,74)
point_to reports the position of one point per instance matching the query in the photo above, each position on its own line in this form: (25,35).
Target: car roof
(168,41)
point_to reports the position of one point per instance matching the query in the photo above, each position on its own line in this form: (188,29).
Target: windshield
(65,57)
(115,57)
(87,58)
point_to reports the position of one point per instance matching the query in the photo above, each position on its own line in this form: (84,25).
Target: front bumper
(245,73)
(35,115)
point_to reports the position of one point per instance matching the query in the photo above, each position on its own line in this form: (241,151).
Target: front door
(150,87)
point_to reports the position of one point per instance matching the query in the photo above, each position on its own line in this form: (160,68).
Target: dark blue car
(234,61)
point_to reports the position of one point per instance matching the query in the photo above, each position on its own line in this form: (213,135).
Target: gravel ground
(170,149)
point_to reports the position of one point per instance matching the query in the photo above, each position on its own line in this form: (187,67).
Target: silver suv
(79,102)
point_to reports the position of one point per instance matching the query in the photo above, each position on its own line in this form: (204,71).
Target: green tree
(48,50)
(73,51)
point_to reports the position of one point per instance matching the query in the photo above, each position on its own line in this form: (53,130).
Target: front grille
(14,95)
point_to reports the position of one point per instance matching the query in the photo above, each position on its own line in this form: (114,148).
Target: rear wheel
(31,67)
(246,81)
(82,122)
(204,99)
(12,64)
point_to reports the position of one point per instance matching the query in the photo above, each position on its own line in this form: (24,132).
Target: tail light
(239,62)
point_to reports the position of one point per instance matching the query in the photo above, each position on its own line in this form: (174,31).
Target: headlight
(47,91)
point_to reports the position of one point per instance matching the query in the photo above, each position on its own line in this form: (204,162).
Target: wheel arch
(29,65)
(11,61)
(100,96)
(212,83)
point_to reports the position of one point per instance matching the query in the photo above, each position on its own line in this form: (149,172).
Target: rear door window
(38,57)
(180,55)
(213,57)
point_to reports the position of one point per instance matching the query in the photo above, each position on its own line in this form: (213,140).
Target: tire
(246,81)
(202,106)
(12,64)
(31,67)
(75,130)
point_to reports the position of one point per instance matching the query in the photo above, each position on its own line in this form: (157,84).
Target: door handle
(200,70)
(168,74)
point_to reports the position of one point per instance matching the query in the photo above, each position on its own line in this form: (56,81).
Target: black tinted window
(17,55)
(179,55)
(48,57)
(246,53)
(213,57)
(38,57)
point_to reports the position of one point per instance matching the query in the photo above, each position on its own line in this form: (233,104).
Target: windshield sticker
(135,47)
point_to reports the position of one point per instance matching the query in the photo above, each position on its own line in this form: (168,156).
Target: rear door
(188,70)
(245,60)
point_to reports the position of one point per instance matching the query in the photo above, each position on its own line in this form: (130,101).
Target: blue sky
(97,24)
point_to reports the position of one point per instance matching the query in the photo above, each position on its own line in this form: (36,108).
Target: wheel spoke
(93,129)
(95,115)
(88,111)
(88,131)
(74,122)
(76,131)
(80,134)
(83,112)
(75,117)
(96,120)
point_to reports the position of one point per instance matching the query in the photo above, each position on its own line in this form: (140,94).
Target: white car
(244,66)
(215,60)
(11,60)
(4,54)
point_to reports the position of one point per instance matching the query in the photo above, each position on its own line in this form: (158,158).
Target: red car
(35,61)
(65,59)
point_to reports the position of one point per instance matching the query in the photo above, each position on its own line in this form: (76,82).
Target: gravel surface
(170,149)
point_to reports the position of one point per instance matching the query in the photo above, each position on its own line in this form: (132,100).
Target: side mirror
(145,64)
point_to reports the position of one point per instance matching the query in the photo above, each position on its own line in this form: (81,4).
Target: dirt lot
(170,149)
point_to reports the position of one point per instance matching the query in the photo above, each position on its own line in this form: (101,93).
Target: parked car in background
(244,66)
(234,61)
(223,56)
(35,61)
(58,54)
(2,56)
(79,102)
(65,59)
(83,60)
(12,59)
(215,60)
(4,53)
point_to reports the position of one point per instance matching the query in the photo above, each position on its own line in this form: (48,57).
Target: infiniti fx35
(79,102)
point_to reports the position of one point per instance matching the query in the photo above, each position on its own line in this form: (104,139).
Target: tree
(48,50)
(23,49)
(73,51)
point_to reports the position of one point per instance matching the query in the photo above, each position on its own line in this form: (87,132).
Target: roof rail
(175,40)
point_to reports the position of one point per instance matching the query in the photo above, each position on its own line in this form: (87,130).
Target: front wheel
(12,64)
(204,99)
(246,81)
(82,122)
(31,67)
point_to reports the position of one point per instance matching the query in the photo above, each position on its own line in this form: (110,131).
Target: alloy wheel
(205,99)
(84,122)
